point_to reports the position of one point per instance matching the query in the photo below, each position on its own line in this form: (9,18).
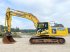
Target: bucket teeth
(8,39)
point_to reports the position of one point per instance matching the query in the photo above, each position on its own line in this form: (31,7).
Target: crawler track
(47,40)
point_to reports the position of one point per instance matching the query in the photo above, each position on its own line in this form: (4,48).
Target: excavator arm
(8,39)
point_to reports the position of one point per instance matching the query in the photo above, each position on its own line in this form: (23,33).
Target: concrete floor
(23,45)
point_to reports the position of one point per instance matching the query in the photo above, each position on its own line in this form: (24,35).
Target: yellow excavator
(45,33)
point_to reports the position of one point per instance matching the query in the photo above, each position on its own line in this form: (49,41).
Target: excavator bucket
(8,39)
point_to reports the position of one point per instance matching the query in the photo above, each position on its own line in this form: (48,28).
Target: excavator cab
(42,26)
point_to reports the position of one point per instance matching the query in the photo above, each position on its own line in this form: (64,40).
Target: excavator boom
(12,12)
